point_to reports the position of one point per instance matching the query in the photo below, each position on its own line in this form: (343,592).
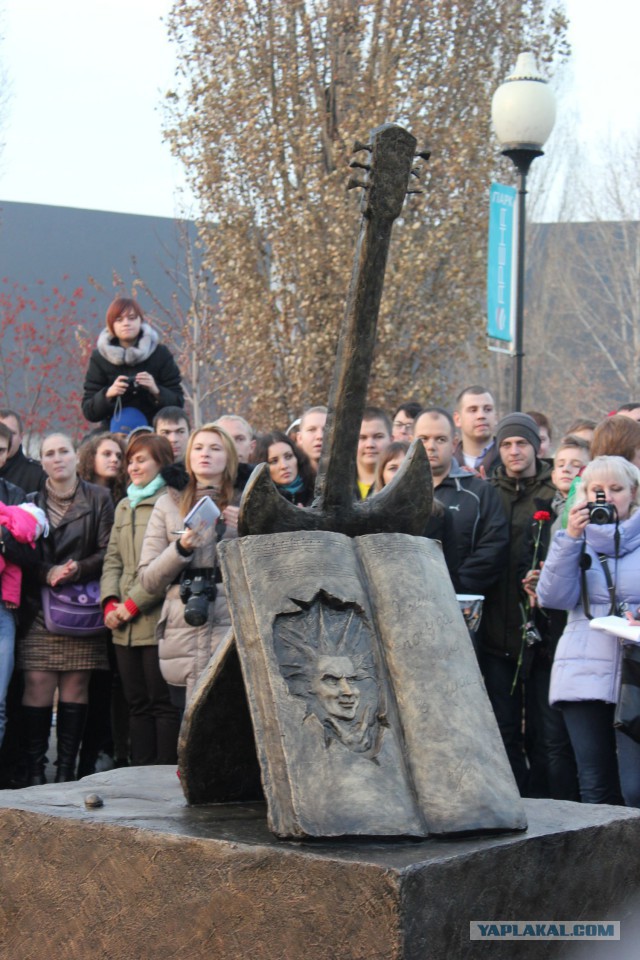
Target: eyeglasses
(403,427)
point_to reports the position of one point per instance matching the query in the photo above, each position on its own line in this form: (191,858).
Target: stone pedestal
(146,876)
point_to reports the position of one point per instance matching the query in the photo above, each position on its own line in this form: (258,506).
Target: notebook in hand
(618,626)
(202,517)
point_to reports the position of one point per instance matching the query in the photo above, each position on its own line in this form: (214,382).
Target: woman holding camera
(132,613)
(129,368)
(592,570)
(194,616)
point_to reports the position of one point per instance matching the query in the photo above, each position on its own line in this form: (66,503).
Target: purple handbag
(74,609)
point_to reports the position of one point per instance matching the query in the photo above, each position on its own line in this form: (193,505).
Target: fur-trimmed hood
(109,348)
(175,476)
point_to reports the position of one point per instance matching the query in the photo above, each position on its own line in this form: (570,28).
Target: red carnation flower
(542,516)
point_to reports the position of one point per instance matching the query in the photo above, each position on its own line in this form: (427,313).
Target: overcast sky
(85,81)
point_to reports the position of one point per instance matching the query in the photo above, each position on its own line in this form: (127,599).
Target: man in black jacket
(523,483)
(19,469)
(475,557)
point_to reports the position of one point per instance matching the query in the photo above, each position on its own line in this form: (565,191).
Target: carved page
(458,763)
(327,731)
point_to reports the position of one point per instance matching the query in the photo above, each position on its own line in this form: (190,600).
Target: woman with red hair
(132,613)
(129,370)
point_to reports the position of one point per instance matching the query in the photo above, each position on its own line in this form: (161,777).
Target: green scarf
(136,494)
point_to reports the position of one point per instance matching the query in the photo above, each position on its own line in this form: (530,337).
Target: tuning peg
(409,192)
(358,145)
(423,154)
(353,183)
(359,166)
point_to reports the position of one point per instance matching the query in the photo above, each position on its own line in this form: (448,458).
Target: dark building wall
(42,243)
(46,248)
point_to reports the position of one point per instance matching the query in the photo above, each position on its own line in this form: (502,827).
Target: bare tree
(272,96)
(583,317)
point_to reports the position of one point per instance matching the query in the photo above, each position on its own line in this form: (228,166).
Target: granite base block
(146,876)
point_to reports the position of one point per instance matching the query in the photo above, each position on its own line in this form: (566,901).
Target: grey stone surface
(420,751)
(147,876)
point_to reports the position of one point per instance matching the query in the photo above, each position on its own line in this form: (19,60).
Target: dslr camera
(197,590)
(602,512)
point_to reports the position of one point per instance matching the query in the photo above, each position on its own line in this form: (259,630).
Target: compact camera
(602,512)
(531,634)
(197,590)
(132,386)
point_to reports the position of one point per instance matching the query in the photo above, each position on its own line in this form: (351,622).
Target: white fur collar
(130,356)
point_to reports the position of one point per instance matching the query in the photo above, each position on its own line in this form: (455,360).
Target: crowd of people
(104,526)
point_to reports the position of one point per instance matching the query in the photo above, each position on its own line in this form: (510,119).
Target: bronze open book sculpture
(353,707)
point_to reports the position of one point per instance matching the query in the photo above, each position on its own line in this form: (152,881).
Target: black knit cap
(518,425)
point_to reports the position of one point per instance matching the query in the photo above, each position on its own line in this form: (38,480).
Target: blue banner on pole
(501,261)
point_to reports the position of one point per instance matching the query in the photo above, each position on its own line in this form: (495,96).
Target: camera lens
(196,611)
(601,513)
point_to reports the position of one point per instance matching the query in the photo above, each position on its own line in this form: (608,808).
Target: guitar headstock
(392,150)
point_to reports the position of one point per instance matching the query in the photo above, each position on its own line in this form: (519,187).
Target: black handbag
(627,715)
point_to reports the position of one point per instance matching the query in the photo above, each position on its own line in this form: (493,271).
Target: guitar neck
(392,153)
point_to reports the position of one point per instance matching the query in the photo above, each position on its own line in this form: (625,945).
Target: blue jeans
(552,764)
(629,767)
(590,726)
(7,646)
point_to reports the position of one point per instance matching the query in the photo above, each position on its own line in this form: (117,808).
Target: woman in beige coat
(171,554)
(132,612)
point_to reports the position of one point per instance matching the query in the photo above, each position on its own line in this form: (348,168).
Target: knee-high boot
(69,727)
(36,726)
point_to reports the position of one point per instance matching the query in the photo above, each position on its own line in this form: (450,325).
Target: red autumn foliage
(45,350)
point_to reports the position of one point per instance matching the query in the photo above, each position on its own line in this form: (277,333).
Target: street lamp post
(523,113)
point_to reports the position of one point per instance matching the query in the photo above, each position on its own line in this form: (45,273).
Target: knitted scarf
(292,488)
(136,494)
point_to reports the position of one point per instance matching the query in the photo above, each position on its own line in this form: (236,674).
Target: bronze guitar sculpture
(404,505)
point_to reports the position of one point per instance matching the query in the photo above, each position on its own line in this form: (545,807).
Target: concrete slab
(147,876)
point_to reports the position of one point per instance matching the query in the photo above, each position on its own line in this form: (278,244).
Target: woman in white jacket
(585,677)
(169,556)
